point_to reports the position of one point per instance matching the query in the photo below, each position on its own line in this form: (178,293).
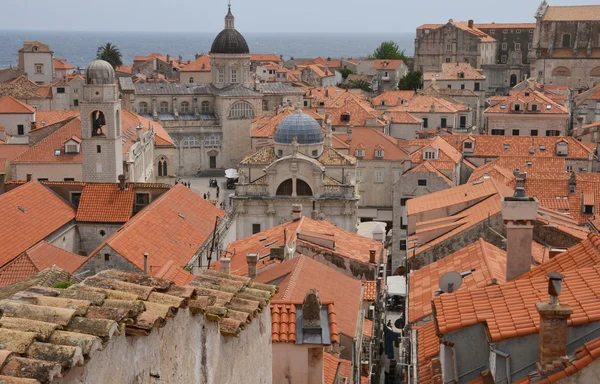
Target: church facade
(299,169)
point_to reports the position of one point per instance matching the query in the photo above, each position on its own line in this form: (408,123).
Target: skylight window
(57,152)
(542,147)
(503,106)
(548,107)
(506,146)
(529,163)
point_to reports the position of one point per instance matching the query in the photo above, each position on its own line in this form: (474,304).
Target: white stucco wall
(11,121)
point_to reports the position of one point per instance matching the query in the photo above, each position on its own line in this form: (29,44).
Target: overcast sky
(274,16)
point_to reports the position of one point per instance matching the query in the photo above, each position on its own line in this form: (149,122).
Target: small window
(75,198)
(517,46)
(448,60)
(506,147)
(20,129)
(379,154)
(60,90)
(449,86)
(429,155)
(566,41)
(403,245)
(255,228)
(221,76)
(517,107)
(463,121)
(444,122)
(383,103)
(185,107)
(403,201)
(588,209)
(76,103)
(462,86)
(569,168)
(345,117)
(492,31)
(503,59)
(71,148)
(448,47)
(69,179)
(143,107)
(505,31)
(98,149)
(402,224)
(359,153)
(468,145)
(205,107)
(57,152)
(534,132)
(279,153)
(518,31)
(306,103)
(234,76)
(107,257)
(497,132)
(504,46)
(191,80)
(211,141)
(141,201)
(164,107)
(39,69)
(425,122)
(534,108)
(422,182)
(315,153)
(515,132)
(379,175)
(542,147)
(358,174)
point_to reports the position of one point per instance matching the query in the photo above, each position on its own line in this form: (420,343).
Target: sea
(79,48)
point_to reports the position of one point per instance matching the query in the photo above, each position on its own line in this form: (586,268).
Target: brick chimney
(225,262)
(519,214)
(553,328)
(296,212)
(252,260)
(372,256)
(471,22)
(122,185)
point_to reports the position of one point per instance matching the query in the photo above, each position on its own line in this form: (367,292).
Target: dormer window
(72,146)
(461,75)
(562,148)
(383,103)
(359,153)
(467,146)
(517,107)
(345,117)
(379,154)
(430,154)
(534,107)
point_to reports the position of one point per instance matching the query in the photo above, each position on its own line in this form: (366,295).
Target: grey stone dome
(299,125)
(230,41)
(99,72)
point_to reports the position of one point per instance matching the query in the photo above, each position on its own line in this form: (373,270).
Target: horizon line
(173,32)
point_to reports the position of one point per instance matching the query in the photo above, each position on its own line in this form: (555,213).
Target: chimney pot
(29,175)
(296,212)
(145,263)
(471,23)
(252,260)
(225,264)
(519,215)
(122,183)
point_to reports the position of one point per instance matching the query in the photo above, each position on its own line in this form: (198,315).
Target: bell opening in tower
(98,124)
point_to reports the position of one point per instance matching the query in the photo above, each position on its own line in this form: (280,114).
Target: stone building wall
(526,123)
(93,234)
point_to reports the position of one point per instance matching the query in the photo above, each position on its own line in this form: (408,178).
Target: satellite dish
(450,282)
(399,323)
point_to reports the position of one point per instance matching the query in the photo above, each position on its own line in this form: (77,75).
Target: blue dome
(304,128)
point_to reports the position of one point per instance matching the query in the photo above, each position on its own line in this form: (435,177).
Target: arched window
(191,142)
(164,107)
(595,72)
(241,110)
(212,140)
(143,108)
(191,80)
(561,71)
(162,167)
(302,188)
(98,121)
(185,107)
(285,188)
(205,107)
(566,40)
(234,76)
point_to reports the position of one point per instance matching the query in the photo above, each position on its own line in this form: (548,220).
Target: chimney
(373,256)
(378,233)
(28,176)
(252,260)
(471,24)
(122,186)
(519,214)
(296,212)
(326,92)
(139,132)
(329,131)
(572,183)
(225,262)
(2,182)
(531,84)
(168,58)
(196,56)
(180,58)
(145,263)
(553,328)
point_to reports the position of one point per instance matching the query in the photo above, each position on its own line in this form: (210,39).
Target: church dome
(299,125)
(230,41)
(99,72)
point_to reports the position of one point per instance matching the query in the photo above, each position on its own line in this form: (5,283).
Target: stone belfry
(102,146)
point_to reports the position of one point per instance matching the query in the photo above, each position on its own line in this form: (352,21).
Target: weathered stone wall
(525,123)
(67,237)
(189,349)
(92,237)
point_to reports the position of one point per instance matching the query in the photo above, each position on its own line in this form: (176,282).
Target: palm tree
(111,54)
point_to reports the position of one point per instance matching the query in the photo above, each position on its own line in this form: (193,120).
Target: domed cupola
(230,41)
(301,129)
(99,72)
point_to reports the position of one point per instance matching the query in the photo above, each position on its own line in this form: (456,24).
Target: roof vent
(506,146)
(503,106)
(542,147)
(548,107)
(180,215)
(21,209)
(529,163)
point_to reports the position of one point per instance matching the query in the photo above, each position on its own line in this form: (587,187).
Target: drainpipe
(507,360)
(354,360)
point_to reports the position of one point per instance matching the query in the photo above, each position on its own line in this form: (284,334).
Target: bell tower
(102,146)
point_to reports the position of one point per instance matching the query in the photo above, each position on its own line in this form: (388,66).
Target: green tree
(389,50)
(411,81)
(110,53)
(359,84)
(345,72)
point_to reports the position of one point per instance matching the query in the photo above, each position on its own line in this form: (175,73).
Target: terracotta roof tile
(283,321)
(335,368)
(392,98)
(47,118)
(509,309)
(455,71)
(370,140)
(429,166)
(44,150)
(386,64)
(105,203)
(30,213)
(429,104)
(358,111)
(525,97)
(428,344)
(505,26)
(10,105)
(173,227)
(370,293)
(151,303)
(572,13)
(295,277)
(487,263)
(201,64)
(60,63)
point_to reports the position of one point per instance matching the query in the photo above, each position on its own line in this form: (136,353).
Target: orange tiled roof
(201,64)
(175,273)
(38,258)
(428,166)
(173,227)
(283,321)
(392,98)
(487,263)
(43,151)
(386,64)
(46,118)
(429,104)
(265,57)
(359,112)
(10,105)
(125,69)
(105,203)
(525,97)
(336,368)
(464,25)
(428,344)
(572,13)
(60,63)
(371,139)
(295,277)
(30,213)
(403,117)
(509,310)
(505,26)
(453,71)
(446,153)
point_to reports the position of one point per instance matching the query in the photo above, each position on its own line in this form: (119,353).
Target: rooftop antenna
(450,282)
